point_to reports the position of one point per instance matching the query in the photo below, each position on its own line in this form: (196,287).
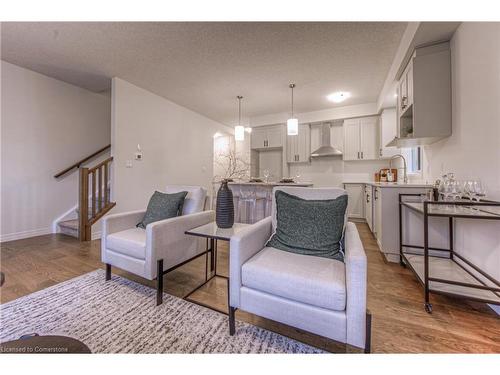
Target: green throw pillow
(309,227)
(163,206)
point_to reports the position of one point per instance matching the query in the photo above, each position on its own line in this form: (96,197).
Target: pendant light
(292,124)
(239,131)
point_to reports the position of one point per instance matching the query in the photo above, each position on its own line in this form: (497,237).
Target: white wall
(46,126)
(177,145)
(473,150)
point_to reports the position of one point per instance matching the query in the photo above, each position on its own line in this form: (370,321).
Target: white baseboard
(25,234)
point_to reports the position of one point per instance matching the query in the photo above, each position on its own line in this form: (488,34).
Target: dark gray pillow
(309,227)
(163,206)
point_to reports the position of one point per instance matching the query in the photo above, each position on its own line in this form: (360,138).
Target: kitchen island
(252,200)
(377,203)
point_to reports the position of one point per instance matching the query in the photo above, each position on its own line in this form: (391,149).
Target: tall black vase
(224,211)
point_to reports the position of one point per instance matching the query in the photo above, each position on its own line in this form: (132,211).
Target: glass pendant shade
(239,133)
(292,126)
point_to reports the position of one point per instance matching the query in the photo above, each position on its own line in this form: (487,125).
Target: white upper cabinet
(258,138)
(388,130)
(267,137)
(369,138)
(361,138)
(275,136)
(424,97)
(299,146)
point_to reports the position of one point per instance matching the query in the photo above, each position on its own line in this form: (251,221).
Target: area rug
(120,316)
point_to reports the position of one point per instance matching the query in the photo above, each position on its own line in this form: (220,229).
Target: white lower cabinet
(356,200)
(377,214)
(368,206)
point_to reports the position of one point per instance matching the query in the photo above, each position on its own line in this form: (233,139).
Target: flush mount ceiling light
(292,124)
(338,97)
(239,131)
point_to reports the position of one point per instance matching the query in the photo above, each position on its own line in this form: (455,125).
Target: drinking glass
(297,176)
(266,173)
(478,190)
(468,189)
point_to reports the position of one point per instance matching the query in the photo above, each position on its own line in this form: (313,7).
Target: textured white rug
(120,316)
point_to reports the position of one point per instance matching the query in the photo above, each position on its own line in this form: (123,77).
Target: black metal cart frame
(451,254)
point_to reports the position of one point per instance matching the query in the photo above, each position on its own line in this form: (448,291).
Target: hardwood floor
(395,299)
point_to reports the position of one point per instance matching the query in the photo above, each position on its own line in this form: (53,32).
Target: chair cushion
(309,226)
(303,278)
(131,242)
(163,206)
(195,199)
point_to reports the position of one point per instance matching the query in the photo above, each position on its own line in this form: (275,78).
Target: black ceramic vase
(224,210)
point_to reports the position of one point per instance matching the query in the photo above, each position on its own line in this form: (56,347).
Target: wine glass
(478,190)
(266,173)
(468,189)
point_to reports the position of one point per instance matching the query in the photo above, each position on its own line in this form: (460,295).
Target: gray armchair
(319,295)
(162,246)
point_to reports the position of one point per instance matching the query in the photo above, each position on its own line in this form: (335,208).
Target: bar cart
(446,272)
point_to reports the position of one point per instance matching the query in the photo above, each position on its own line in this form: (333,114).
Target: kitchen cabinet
(424,97)
(266,137)
(377,214)
(356,199)
(299,146)
(361,138)
(388,130)
(368,206)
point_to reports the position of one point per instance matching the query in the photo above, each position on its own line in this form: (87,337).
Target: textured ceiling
(203,66)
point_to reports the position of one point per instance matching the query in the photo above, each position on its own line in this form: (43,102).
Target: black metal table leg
(108,272)
(212,254)
(428,306)
(159,282)
(401,234)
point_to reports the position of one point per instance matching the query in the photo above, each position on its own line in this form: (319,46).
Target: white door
(275,136)
(369,138)
(409,83)
(304,143)
(387,131)
(258,138)
(351,140)
(368,206)
(355,202)
(403,93)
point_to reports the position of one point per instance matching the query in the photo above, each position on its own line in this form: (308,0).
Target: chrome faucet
(405,176)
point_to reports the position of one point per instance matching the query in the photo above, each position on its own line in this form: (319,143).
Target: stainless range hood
(412,141)
(326,148)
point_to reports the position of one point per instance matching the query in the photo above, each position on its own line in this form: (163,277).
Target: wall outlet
(128,164)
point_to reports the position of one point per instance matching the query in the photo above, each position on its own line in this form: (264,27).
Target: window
(413,159)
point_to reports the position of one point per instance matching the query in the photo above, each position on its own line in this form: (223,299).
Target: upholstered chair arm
(242,247)
(356,279)
(166,239)
(122,221)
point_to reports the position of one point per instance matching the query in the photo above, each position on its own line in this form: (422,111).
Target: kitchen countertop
(271,184)
(391,184)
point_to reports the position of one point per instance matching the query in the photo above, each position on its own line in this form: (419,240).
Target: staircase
(94,198)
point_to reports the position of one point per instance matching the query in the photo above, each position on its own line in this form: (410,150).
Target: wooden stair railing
(100,204)
(82,161)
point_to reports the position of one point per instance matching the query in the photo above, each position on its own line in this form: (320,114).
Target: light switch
(128,164)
